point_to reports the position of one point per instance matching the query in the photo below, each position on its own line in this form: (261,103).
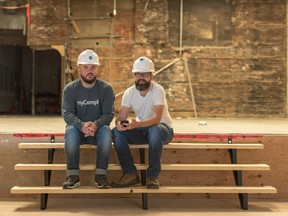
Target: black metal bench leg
(47,175)
(144,195)
(43,200)
(144,201)
(243,201)
(143,180)
(243,197)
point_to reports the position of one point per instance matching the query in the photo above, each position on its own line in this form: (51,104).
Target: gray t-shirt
(82,104)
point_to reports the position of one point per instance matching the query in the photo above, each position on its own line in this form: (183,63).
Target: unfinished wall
(235,50)
(48,23)
(244,76)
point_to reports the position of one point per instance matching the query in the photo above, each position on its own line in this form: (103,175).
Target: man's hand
(89,129)
(133,124)
(120,126)
(127,126)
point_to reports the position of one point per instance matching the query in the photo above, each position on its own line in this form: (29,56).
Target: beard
(142,84)
(88,81)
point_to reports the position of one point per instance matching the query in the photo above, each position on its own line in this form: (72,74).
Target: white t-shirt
(143,106)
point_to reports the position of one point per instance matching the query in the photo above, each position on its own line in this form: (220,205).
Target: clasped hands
(89,129)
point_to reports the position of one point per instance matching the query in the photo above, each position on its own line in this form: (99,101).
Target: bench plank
(230,167)
(168,146)
(143,189)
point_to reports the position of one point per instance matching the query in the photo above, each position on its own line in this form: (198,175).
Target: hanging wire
(190,86)
(181,29)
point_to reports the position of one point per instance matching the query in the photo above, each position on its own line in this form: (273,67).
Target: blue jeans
(74,138)
(155,136)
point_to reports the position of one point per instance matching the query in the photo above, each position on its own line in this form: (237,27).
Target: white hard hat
(88,57)
(143,64)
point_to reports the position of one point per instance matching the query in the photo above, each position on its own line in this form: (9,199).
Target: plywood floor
(26,124)
(132,206)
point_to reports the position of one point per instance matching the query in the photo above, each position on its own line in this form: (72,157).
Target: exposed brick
(241,77)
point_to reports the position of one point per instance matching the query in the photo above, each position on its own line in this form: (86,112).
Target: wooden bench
(235,167)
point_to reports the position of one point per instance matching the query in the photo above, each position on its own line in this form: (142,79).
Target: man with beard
(153,125)
(88,109)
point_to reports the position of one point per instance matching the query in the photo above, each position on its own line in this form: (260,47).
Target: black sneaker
(101,182)
(71,182)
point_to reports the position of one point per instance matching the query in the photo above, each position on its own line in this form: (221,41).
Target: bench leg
(243,201)
(47,175)
(143,180)
(243,198)
(144,201)
(144,195)
(43,201)
(44,197)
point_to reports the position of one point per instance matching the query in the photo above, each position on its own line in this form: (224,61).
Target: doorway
(24,79)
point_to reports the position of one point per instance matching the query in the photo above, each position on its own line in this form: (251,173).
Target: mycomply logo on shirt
(86,103)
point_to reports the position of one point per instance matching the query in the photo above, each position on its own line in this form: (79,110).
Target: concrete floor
(132,206)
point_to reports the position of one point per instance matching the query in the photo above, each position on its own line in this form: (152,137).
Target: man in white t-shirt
(153,125)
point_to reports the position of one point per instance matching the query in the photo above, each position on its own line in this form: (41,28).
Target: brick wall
(48,25)
(244,76)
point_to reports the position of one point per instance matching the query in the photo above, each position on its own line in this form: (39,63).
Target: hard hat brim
(85,63)
(142,71)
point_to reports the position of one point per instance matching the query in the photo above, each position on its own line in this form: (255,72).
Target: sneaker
(126,180)
(101,182)
(152,183)
(72,181)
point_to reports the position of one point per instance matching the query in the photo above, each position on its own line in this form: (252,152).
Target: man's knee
(155,135)
(71,129)
(72,134)
(115,133)
(104,135)
(155,130)
(105,129)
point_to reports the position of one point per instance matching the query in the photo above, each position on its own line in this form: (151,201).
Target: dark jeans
(155,136)
(74,138)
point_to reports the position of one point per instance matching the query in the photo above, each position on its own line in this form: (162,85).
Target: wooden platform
(22,128)
(234,166)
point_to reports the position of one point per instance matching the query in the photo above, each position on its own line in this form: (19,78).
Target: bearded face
(142,84)
(88,73)
(89,78)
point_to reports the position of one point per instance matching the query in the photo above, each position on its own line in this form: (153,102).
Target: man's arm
(123,115)
(107,107)
(69,110)
(154,120)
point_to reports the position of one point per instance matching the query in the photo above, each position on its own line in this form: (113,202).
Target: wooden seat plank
(143,189)
(145,166)
(168,146)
